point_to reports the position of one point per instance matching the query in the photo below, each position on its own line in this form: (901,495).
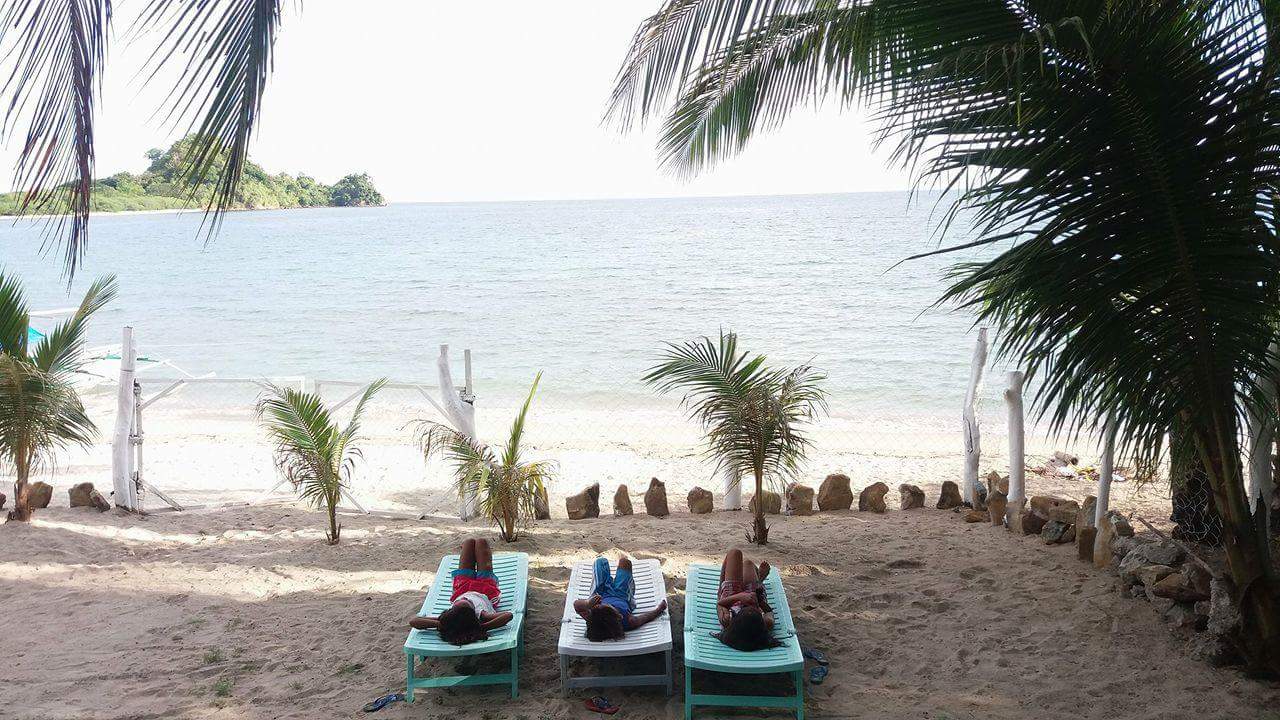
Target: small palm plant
(753,416)
(505,486)
(40,411)
(316,457)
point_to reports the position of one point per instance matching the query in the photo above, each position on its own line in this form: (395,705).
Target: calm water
(586,290)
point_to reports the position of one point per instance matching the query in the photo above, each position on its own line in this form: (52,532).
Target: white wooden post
(1017,449)
(732,489)
(460,411)
(972,436)
(1106,469)
(1262,435)
(122,480)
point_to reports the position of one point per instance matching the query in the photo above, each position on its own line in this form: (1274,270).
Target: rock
(834,493)
(585,504)
(1085,515)
(1121,524)
(772,503)
(800,500)
(979,495)
(1113,529)
(1185,586)
(975,516)
(1056,532)
(997,503)
(997,483)
(950,496)
(541,507)
(1149,575)
(1085,538)
(622,501)
(78,494)
(39,494)
(1030,523)
(1224,618)
(99,502)
(1214,650)
(1161,605)
(1181,615)
(700,502)
(655,499)
(1055,508)
(1157,553)
(910,497)
(872,498)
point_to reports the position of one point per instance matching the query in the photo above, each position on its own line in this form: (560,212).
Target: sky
(471,102)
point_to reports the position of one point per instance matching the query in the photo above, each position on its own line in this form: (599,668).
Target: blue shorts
(469,573)
(615,589)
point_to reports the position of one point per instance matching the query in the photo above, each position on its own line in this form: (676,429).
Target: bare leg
(764,569)
(484,556)
(731,570)
(749,572)
(467,559)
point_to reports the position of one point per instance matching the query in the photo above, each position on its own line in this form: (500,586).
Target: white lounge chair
(650,638)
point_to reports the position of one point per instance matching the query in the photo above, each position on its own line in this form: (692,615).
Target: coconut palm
(505,486)
(753,416)
(40,412)
(316,456)
(1124,156)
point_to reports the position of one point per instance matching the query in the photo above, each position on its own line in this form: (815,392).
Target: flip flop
(817,674)
(383,701)
(815,655)
(601,704)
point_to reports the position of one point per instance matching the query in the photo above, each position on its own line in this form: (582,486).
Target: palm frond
(14,317)
(60,352)
(227,49)
(511,453)
(56,50)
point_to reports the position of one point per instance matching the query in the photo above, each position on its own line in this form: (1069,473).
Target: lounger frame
(704,652)
(651,638)
(512,570)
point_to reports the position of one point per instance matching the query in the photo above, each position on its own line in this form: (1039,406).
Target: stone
(997,503)
(1161,605)
(1224,618)
(700,501)
(1179,588)
(655,499)
(834,493)
(1056,532)
(1055,508)
(585,504)
(1030,523)
(99,502)
(622,501)
(997,483)
(78,494)
(979,495)
(1121,524)
(1085,515)
(910,497)
(1113,533)
(950,496)
(1181,615)
(1149,575)
(39,494)
(975,516)
(1157,553)
(541,506)
(772,503)
(800,500)
(1085,538)
(1214,650)
(872,498)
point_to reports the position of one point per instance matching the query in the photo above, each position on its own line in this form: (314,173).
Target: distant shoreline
(179,211)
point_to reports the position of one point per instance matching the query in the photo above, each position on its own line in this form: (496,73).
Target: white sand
(115,616)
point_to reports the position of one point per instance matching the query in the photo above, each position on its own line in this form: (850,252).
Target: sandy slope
(110,616)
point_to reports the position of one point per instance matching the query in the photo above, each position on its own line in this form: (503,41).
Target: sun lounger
(654,637)
(704,652)
(512,570)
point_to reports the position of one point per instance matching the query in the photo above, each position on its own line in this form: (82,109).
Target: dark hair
(604,622)
(746,631)
(460,626)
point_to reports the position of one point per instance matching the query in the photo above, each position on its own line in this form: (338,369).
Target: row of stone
(40,494)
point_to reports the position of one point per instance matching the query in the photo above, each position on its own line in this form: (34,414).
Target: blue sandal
(383,701)
(818,673)
(815,655)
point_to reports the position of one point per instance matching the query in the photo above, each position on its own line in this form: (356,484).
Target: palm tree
(314,455)
(57,52)
(40,411)
(1124,156)
(505,486)
(753,416)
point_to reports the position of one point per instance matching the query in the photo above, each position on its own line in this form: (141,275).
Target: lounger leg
(799,674)
(670,683)
(688,693)
(408,685)
(515,673)
(564,674)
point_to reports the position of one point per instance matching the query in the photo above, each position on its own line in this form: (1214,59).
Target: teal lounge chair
(512,570)
(704,652)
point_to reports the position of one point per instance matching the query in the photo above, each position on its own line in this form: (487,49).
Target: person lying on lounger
(475,599)
(746,620)
(611,610)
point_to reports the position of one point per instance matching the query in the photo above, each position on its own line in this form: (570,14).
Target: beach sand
(245,614)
